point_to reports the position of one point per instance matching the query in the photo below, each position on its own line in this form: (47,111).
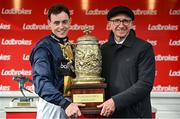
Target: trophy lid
(87,38)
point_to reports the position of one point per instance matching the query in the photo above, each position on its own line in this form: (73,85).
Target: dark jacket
(129,71)
(45,59)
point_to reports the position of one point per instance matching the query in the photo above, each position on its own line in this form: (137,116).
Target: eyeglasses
(118,21)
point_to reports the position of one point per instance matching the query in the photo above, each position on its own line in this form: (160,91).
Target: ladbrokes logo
(4,87)
(160,27)
(16,11)
(35,26)
(136,12)
(13,72)
(15,42)
(174,42)
(97,12)
(46,11)
(168,88)
(5,26)
(174,12)
(5,57)
(153,42)
(166,58)
(25,57)
(145,12)
(81,27)
(156,72)
(174,73)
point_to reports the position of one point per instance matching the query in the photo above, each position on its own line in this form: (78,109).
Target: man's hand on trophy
(73,110)
(108,107)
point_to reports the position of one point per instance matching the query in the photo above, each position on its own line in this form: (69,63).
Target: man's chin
(122,36)
(61,36)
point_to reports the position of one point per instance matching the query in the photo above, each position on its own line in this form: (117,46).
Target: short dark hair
(56,9)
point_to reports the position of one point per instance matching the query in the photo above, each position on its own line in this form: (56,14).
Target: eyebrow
(61,20)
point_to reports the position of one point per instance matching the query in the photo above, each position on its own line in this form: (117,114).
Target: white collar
(120,42)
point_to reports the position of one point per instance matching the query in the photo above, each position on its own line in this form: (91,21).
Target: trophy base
(89,94)
(90,111)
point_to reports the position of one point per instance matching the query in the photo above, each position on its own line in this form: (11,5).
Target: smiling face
(59,24)
(120,25)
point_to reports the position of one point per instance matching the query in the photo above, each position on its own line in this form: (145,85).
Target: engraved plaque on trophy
(88,86)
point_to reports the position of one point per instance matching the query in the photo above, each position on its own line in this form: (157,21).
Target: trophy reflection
(88,86)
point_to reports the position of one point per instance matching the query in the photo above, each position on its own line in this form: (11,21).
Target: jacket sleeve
(44,87)
(142,88)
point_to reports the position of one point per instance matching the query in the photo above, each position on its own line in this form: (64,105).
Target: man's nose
(61,25)
(121,24)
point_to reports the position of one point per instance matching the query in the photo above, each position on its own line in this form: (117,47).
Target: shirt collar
(128,41)
(59,40)
(120,42)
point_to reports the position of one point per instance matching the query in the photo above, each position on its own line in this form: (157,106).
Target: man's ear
(133,26)
(70,20)
(49,22)
(108,26)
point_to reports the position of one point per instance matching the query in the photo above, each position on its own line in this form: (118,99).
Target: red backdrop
(24,22)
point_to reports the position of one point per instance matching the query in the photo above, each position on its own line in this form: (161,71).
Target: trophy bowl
(88,87)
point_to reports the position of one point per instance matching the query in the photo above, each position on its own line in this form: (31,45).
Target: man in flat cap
(128,65)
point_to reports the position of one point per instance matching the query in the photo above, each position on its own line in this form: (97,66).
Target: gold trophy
(88,86)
